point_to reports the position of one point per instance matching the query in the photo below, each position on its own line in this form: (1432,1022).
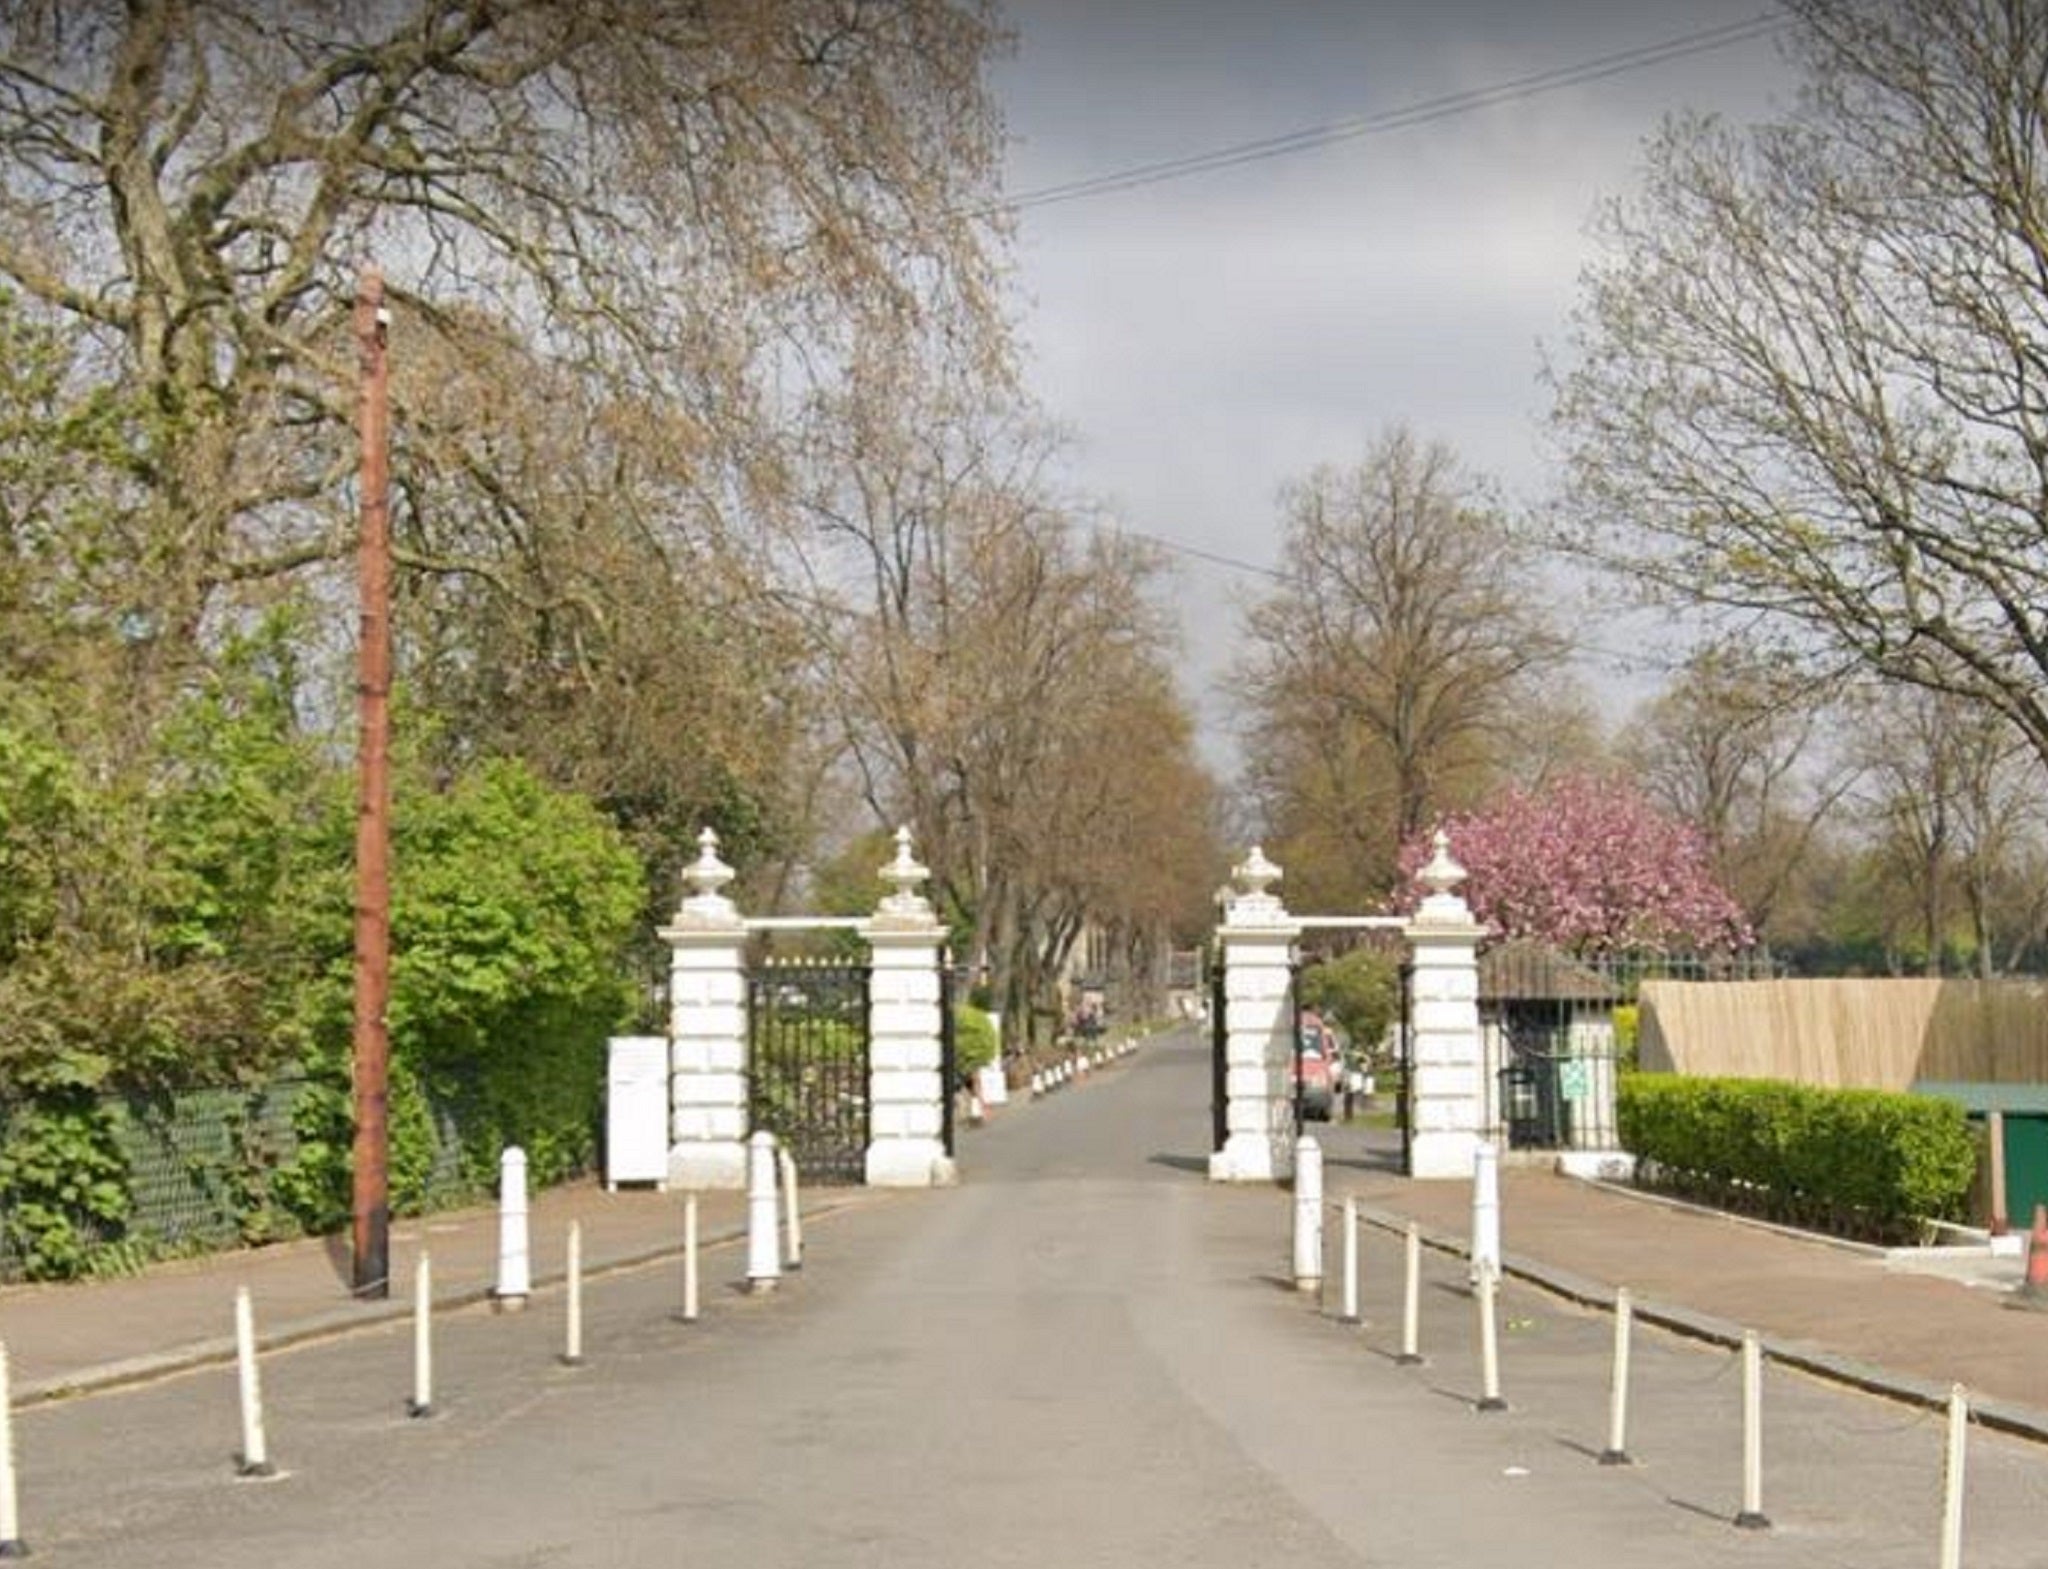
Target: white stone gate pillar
(1447,1095)
(1259,1028)
(906,1087)
(707,1030)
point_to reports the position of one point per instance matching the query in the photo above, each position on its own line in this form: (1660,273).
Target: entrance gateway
(1254,1020)
(848,1064)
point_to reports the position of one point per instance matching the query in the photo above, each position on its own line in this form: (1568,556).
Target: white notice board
(636,1110)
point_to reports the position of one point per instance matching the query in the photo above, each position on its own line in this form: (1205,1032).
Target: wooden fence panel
(1875,1033)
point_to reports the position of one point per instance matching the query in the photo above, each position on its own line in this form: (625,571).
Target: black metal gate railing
(1404,1104)
(949,1053)
(807,1064)
(1297,1091)
(1219,1058)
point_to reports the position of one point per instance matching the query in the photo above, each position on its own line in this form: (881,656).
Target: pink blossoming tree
(1588,865)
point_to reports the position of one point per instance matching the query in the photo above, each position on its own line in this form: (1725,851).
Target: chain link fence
(218,1167)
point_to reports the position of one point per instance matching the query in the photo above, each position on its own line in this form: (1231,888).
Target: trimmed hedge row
(1869,1161)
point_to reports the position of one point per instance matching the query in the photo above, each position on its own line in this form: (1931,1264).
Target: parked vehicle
(1316,1058)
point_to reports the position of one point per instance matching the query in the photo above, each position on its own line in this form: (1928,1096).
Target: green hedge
(1869,1161)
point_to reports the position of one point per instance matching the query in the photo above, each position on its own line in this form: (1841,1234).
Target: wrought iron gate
(949,1052)
(1219,1059)
(1404,1104)
(807,1064)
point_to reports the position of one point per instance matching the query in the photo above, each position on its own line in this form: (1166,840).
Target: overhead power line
(1429,109)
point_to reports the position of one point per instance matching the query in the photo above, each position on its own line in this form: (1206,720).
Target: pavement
(1855,1314)
(84,1336)
(1908,1324)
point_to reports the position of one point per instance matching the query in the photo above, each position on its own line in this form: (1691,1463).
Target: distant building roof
(1524,970)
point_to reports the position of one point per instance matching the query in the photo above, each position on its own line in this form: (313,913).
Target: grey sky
(1208,338)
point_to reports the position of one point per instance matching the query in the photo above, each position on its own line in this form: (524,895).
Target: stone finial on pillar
(906,876)
(707,876)
(707,1029)
(906,1088)
(1440,874)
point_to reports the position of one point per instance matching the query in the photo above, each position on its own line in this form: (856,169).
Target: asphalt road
(1085,1355)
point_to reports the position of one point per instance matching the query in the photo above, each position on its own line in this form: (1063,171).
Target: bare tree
(1735,745)
(1406,642)
(693,207)
(1809,381)
(1000,677)
(626,241)
(1956,822)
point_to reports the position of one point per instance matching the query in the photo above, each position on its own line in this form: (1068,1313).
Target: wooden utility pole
(371,1275)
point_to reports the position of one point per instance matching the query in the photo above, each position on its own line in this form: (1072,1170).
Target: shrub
(974,1040)
(1866,1160)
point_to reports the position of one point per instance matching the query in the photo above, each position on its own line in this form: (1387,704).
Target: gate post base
(1252,1157)
(707,1166)
(910,1163)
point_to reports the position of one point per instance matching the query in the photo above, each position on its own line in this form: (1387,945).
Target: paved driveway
(1085,1355)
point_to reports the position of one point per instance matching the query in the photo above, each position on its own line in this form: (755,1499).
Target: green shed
(2023,1108)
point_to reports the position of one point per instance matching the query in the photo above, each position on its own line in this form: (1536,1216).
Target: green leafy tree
(513,908)
(1357,991)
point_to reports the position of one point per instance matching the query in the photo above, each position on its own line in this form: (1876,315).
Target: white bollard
(1350,1314)
(1952,1479)
(792,1216)
(1485,1209)
(1308,1214)
(254,1460)
(690,1258)
(1752,1516)
(422,1402)
(1489,1342)
(572,1346)
(1616,1452)
(1411,1298)
(764,1256)
(515,1273)
(11,1544)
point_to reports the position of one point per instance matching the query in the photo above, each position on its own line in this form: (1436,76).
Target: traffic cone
(2033,1291)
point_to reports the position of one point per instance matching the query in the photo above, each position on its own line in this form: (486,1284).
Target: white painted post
(906,1079)
(690,1258)
(1350,1315)
(1752,1516)
(1485,1209)
(11,1544)
(422,1402)
(995,1084)
(1411,1298)
(1952,1479)
(1258,937)
(707,938)
(764,1256)
(515,1273)
(572,1348)
(1616,1452)
(1489,1342)
(792,1216)
(1308,1214)
(254,1459)
(1446,1055)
